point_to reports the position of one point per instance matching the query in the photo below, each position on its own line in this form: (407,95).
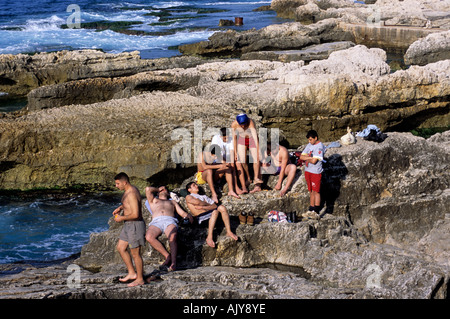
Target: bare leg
(290,171)
(212,223)
(151,236)
(208,176)
(229,176)
(122,249)
(241,175)
(135,252)
(242,167)
(226,220)
(171,233)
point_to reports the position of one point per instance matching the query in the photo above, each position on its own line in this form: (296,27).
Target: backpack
(375,136)
(294,158)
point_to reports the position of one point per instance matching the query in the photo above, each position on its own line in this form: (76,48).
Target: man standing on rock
(164,221)
(133,231)
(245,138)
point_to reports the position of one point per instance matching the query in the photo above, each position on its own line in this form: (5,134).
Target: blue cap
(242,119)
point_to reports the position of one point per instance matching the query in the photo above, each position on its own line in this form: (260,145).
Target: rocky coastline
(385,226)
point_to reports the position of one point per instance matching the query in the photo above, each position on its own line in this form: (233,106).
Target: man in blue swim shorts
(164,221)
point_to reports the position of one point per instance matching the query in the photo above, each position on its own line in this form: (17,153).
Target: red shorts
(247,141)
(313,181)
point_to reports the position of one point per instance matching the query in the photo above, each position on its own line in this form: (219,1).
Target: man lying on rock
(164,221)
(204,208)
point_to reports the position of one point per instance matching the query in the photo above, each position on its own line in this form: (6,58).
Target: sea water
(36,25)
(48,228)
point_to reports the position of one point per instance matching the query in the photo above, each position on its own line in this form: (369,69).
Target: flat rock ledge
(330,262)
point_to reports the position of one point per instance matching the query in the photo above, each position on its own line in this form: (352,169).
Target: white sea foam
(52,23)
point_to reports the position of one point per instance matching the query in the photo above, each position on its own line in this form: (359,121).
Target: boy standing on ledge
(313,157)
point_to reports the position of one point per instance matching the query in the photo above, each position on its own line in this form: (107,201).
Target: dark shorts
(203,216)
(133,232)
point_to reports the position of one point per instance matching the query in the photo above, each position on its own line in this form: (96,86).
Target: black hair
(122,176)
(189,186)
(312,133)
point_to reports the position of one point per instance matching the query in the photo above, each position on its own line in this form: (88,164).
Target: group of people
(222,159)
(163,209)
(227,157)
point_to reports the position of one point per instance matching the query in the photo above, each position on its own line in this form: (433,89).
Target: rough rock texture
(307,54)
(435,47)
(21,73)
(414,13)
(383,234)
(284,36)
(353,87)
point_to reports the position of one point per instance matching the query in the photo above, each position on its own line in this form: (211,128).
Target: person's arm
(212,166)
(199,204)
(233,132)
(180,211)
(283,156)
(305,156)
(150,193)
(252,129)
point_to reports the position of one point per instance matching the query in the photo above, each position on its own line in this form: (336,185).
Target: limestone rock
(88,144)
(432,48)
(309,53)
(21,73)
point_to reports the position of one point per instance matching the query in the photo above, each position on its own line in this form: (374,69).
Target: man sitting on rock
(164,221)
(279,165)
(212,168)
(204,208)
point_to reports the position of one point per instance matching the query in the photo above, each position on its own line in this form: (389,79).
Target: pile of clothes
(372,133)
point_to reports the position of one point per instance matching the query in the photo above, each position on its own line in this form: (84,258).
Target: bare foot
(152,278)
(210,242)
(240,192)
(233,194)
(257,181)
(135,283)
(283,192)
(172,268)
(230,234)
(128,278)
(256,189)
(167,261)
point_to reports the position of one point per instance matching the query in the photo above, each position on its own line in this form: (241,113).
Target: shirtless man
(133,230)
(280,165)
(213,168)
(203,207)
(245,138)
(164,221)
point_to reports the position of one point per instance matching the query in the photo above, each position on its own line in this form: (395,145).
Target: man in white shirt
(203,208)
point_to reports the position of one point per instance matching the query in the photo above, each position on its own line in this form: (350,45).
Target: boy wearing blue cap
(245,138)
